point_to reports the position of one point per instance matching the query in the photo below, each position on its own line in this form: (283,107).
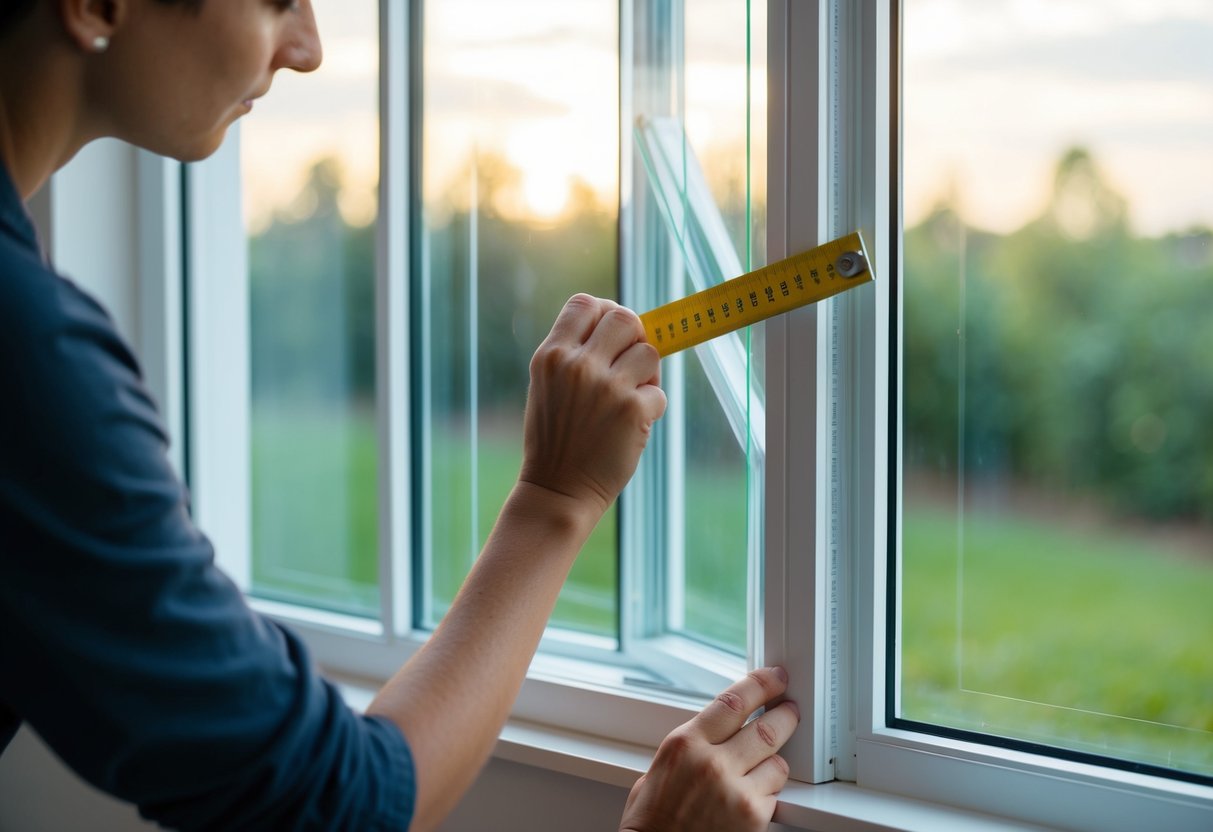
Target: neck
(41,101)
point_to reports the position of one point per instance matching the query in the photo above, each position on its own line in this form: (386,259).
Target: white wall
(91,238)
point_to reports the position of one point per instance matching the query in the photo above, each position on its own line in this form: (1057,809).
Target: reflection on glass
(309,174)
(1058,380)
(518,212)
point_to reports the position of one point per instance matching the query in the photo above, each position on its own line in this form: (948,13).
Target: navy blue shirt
(121,644)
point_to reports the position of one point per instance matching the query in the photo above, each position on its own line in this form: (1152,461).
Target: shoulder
(78,421)
(56,339)
(38,306)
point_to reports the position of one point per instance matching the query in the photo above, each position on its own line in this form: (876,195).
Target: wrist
(554,511)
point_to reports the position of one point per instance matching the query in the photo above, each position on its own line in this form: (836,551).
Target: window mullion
(217,360)
(860,363)
(795,626)
(392,360)
(160,263)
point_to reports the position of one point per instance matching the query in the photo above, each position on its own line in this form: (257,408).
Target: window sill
(830,807)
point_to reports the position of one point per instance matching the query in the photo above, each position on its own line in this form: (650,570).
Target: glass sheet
(309,164)
(518,207)
(699,136)
(1058,380)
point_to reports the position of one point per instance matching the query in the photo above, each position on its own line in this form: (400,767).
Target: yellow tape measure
(780,287)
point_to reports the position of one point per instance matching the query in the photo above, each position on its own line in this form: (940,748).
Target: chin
(194,149)
(201,149)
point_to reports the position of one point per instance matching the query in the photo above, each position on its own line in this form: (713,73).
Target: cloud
(487,98)
(1162,50)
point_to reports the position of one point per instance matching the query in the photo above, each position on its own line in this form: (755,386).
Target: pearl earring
(101,43)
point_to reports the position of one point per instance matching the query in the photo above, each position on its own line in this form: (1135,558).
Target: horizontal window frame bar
(1064,793)
(1047,750)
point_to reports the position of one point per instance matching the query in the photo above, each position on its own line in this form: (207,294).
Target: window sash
(1029,787)
(654,157)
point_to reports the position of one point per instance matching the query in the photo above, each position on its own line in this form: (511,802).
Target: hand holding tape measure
(780,287)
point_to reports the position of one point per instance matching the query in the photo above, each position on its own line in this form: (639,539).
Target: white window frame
(864,168)
(833,150)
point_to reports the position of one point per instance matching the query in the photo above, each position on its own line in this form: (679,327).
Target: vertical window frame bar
(393,361)
(217,358)
(795,633)
(160,274)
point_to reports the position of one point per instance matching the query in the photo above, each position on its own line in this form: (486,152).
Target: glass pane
(518,211)
(1058,381)
(724,121)
(698,218)
(309,158)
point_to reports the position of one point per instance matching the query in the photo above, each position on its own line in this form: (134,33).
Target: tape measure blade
(771,290)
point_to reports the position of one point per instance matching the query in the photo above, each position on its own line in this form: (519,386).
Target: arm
(718,772)
(592,403)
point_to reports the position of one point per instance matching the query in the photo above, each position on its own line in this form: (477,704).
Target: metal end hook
(851,264)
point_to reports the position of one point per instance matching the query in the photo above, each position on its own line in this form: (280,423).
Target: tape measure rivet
(851,264)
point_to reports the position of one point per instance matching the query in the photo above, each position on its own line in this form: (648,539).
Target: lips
(248,102)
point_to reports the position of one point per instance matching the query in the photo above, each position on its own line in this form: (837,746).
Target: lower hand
(592,402)
(716,772)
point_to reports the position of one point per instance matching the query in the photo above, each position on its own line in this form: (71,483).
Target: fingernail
(780,674)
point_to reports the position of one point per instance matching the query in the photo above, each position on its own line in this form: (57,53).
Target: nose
(300,49)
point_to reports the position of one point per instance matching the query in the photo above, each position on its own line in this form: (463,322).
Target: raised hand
(592,403)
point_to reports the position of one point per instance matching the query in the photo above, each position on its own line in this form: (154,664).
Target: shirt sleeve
(123,646)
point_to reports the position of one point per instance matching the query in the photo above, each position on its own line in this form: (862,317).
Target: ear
(90,24)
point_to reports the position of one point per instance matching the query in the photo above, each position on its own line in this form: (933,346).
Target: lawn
(1041,630)
(1051,632)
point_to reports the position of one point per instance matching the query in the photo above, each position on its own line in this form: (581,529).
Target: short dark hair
(11,11)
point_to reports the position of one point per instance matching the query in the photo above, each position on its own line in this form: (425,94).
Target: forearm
(453,696)
(591,406)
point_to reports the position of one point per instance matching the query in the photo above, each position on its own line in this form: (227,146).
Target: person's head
(167,75)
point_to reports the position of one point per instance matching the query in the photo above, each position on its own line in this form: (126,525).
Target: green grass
(715,564)
(588,602)
(1046,632)
(1070,636)
(315,516)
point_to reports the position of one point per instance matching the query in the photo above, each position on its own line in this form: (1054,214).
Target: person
(121,643)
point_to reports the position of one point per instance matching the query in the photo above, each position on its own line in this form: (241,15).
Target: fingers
(579,318)
(724,717)
(769,776)
(764,736)
(617,330)
(592,402)
(641,362)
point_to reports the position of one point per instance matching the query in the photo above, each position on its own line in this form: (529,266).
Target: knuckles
(766,681)
(581,302)
(732,701)
(625,319)
(752,811)
(678,744)
(766,733)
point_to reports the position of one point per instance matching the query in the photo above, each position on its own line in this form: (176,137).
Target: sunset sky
(994,92)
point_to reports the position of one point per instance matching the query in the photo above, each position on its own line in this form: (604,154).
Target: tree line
(1071,355)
